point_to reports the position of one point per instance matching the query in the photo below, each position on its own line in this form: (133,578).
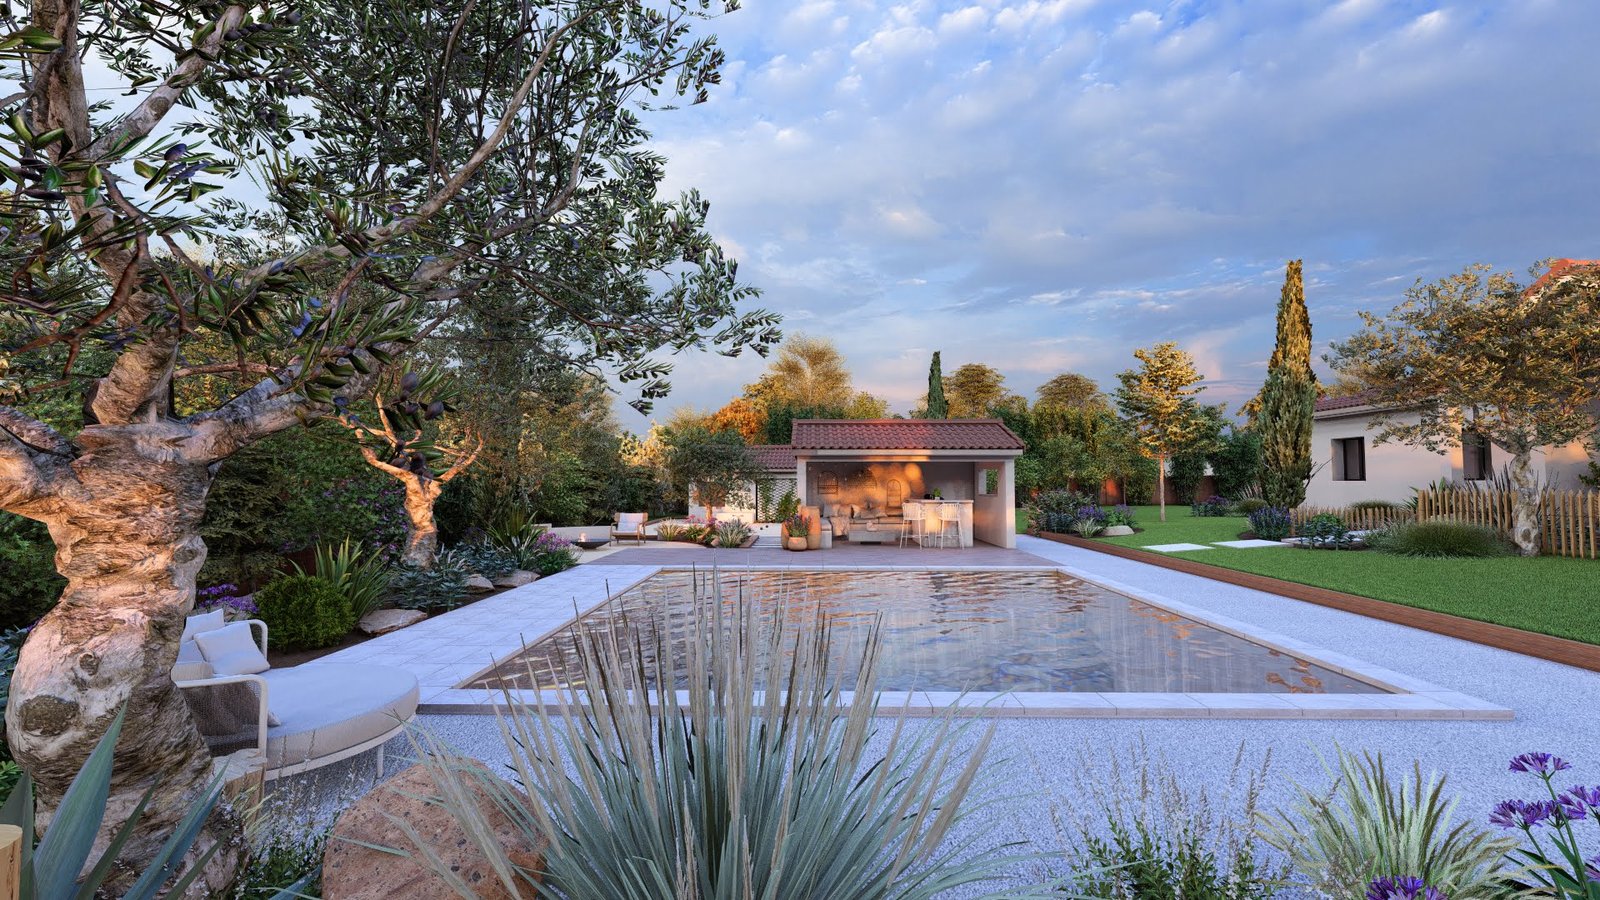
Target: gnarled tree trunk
(125,517)
(1525,505)
(422,533)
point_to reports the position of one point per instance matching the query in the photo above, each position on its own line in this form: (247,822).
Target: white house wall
(1394,468)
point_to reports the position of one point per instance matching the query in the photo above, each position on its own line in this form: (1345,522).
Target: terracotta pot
(795,543)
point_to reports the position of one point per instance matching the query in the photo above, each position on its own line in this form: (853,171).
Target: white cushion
(209,621)
(630,522)
(232,650)
(192,671)
(329,707)
(189,652)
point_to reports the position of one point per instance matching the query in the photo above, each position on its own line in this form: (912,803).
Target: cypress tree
(938,408)
(1287,400)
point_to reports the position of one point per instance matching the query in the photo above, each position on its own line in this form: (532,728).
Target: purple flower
(1539,763)
(1579,801)
(1522,813)
(1403,887)
(1592,869)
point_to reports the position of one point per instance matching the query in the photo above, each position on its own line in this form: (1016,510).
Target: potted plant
(797,527)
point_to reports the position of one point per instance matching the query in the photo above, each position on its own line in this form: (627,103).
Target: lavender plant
(1271,523)
(227,598)
(1561,871)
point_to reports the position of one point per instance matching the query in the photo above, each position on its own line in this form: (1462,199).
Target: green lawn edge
(1547,595)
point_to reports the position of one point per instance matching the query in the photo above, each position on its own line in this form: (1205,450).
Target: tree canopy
(1158,402)
(973,389)
(1478,352)
(1069,390)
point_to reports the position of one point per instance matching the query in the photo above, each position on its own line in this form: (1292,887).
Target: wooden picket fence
(1569,520)
(1355,518)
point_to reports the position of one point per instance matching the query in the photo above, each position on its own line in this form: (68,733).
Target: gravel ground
(1035,762)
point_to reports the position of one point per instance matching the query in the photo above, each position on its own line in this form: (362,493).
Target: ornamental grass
(761,781)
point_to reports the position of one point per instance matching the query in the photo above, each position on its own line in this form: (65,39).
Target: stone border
(455,648)
(1502,637)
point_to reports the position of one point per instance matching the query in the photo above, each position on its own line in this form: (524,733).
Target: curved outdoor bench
(300,718)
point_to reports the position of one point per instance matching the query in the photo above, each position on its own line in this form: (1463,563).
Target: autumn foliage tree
(402,169)
(1480,353)
(1157,401)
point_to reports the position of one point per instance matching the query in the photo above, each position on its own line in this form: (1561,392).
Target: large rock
(351,871)
(383,621)
(479,584)
(517,578)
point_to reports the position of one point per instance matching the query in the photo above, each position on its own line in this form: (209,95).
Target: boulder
(351,871)
(517,578)
(1117,531)
(479,584)
(383,621)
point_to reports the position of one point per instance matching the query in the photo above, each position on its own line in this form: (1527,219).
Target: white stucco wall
(1393,468)
(994,517)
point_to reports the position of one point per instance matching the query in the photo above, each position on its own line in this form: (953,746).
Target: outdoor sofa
(298,718)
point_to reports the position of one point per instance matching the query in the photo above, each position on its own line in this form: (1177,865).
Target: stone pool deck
(1035,762)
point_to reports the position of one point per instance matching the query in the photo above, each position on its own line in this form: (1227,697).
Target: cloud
(981,176)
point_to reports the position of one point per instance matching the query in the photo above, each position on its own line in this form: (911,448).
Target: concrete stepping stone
(1175,548)
(1253,542)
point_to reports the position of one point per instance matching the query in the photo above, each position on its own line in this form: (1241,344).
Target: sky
(1045,185)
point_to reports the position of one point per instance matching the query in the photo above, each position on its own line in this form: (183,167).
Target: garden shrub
(1055,511)
(304,612)
(1326,531)
(10,643)
(1271,523)
(1121,514)
(361,575)
(28,559)
(553,553)
(438,589)
(480,557)
(1248,505)
(287,861)
(1185,474)
(1236,463)
(1369,827)
(1375,504)
(1212,507)
(1147,832)
(1441,539)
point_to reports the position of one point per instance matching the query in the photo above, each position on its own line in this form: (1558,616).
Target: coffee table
(875,536)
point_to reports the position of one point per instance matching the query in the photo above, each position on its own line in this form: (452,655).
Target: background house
(1348,465)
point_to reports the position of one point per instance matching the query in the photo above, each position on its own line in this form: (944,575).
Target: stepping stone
(517,578)
(384,621)
(1254,542)
(1175,548)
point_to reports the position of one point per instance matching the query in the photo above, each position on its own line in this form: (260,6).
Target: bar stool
(949,522)
(911,527)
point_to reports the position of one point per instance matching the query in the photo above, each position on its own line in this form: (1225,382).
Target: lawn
(1548,595)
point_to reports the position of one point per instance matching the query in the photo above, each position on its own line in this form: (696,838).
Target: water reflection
(977,631)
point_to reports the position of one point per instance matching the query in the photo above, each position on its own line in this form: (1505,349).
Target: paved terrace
(1034,760)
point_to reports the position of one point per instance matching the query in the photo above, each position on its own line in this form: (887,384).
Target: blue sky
(1044,185)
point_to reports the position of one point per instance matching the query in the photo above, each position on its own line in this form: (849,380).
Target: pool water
(971,631)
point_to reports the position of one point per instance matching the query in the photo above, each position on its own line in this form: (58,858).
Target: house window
(988,482)
(1475,458)
(1350,459)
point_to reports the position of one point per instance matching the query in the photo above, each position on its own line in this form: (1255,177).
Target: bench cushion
(328,708)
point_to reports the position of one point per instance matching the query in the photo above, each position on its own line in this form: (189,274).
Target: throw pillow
(209,621)
(232,650)
(189,652)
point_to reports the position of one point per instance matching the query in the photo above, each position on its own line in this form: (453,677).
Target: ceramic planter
(795,543)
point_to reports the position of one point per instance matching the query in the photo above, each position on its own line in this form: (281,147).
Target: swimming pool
(1017,631)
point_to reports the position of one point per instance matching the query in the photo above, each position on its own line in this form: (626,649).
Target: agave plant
(50,871)
(754,781)
(361,577)
(1367,827)
(731,534)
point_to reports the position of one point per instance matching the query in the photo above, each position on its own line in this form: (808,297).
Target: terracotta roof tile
(1329,404)
(774,457)
(904,434)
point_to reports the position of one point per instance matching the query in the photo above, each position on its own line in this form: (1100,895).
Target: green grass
(1548,595)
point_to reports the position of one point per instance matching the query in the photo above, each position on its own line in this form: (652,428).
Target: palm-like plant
(1367,827)
(361,576)
(756,782)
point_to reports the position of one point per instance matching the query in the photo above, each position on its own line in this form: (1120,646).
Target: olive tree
(290,198)
(1479,353)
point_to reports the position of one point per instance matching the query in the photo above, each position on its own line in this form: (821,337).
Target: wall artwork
(827,484)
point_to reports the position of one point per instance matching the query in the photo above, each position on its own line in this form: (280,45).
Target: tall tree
(936,407)
(1158,402)
(716,465)
(1288,400)
(1478,353)
(400,174)
(972,389)
(742,416)
(1069,390)
(807,371)
(865,405)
